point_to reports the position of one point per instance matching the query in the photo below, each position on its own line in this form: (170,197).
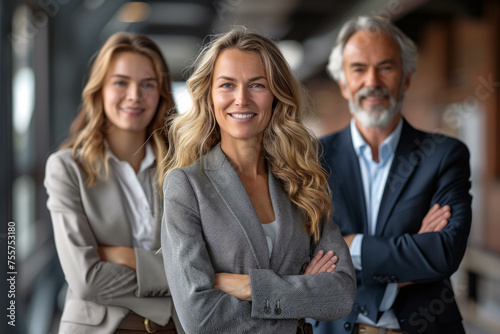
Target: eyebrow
(127,77)
(383,62)
(223,77)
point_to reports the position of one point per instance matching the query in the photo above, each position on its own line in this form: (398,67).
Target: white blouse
(270,233)
(138,192)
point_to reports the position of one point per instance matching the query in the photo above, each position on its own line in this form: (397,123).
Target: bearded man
(400,196)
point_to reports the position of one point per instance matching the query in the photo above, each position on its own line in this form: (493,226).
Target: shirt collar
(387,147)
(148,161)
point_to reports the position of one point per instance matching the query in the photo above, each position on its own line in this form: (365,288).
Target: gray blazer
(209,226)
(100,293)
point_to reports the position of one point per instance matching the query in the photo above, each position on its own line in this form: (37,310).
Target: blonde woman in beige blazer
(104,200)
(245,201)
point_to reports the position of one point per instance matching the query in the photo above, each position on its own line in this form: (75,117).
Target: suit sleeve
(324,296)
(151,279)
(87,276)
(201,308)
(428,256)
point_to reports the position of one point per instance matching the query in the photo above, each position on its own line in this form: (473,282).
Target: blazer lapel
(401,170)
(283,212)
(109,217)
(345,162)
(226,181)
(157,214)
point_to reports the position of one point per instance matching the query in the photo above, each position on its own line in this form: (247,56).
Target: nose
(372,79)
(134,92)
(241,97)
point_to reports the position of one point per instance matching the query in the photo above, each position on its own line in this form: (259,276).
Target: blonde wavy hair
(290,150)
(87,132)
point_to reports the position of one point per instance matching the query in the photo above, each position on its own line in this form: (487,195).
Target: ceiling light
(134,12)
(293,52)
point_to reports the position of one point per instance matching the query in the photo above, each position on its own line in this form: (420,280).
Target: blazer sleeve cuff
(151,279)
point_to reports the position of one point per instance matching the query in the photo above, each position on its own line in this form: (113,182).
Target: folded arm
(200,305)
(238,285)
(94,273)
(431,254)
(322,296)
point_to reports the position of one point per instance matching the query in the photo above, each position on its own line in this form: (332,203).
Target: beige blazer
(210,226)
(100,293)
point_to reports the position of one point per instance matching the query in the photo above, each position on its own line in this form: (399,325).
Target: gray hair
(372,25)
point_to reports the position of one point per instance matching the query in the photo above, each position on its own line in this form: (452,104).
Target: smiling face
(374,84)
(130,92)
(241,96)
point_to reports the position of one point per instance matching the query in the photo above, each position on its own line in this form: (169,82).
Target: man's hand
(436,219)
(321,263)
(124,256)
(235,285)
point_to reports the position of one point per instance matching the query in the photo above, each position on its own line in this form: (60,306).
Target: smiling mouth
(242,116)
(133,110)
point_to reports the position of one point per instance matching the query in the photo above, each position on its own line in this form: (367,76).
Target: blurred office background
(45,50)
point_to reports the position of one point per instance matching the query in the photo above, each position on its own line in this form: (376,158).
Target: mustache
(365,92)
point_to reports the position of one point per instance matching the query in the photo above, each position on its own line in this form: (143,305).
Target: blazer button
(267,310)
(277,311)
(347,326)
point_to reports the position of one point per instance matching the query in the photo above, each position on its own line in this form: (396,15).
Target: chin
(375,120)
(379,119)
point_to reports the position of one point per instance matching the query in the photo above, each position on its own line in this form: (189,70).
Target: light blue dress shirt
(374,175)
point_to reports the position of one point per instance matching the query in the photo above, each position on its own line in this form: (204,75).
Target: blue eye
(149,85)
(226,85)
(257,85)
(120,83)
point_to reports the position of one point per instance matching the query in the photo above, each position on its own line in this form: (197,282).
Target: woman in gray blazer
(103,199)
(246,202)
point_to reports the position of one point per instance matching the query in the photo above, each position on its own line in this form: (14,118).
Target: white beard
(377,117)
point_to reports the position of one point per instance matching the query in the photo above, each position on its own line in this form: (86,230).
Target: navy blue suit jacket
(427,169)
